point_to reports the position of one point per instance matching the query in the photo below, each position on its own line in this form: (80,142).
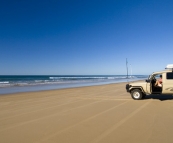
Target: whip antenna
(127,67)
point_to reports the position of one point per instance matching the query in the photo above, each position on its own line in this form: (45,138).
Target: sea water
(25,83)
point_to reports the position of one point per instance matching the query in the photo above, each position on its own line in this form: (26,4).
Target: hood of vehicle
(138,83)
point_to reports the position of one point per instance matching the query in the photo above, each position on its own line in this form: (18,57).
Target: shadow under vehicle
(144,89)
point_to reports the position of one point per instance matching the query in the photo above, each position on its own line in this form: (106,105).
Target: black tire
(136,94)
(143,95)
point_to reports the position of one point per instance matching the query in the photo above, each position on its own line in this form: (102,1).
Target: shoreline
(32,88)
(62,89)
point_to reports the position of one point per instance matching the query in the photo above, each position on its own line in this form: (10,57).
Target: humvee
(139,90)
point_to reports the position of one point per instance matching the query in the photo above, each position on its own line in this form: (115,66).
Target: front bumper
(127,87)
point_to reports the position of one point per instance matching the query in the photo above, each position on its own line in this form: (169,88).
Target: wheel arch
(138,87)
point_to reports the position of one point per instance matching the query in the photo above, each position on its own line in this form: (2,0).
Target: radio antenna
(127,67)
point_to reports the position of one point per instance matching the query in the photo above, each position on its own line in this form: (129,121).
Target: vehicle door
(167,83)
(149,84)
(152,80)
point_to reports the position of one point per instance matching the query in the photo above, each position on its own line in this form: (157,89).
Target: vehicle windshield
(150,77)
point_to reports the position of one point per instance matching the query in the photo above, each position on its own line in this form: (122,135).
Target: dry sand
(103,114)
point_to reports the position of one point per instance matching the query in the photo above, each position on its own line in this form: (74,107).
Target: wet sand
(96,114)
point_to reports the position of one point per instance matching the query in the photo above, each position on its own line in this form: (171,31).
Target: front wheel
(143,95)
(136,94)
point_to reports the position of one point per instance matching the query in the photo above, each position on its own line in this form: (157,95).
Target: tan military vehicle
(139,90)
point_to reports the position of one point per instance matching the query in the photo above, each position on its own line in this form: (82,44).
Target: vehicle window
(169,75)
(157,76)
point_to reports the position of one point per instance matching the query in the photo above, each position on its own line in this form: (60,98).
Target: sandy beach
(95,114)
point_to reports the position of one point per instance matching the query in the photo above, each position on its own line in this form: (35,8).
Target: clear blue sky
(85,36)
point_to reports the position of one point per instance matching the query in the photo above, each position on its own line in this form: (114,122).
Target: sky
(85,37)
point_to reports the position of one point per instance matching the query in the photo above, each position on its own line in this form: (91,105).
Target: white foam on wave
(117,77)
(41,81)
(77,77)
(4,82)
(88,77)
(38,81)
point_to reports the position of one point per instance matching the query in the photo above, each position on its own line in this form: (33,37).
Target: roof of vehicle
(164,71)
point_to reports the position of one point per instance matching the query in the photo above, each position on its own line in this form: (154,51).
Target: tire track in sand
(55,114)
(46,108)
(115,126)
(90,118)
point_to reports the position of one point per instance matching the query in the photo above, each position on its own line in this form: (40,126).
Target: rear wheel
(136,94)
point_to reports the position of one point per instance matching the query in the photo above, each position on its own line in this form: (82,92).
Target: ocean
(25,83)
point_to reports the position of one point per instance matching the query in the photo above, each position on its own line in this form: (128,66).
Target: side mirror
(147,80)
